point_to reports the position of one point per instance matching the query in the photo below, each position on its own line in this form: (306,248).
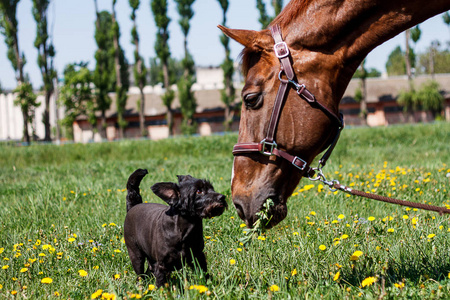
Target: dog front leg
(160,272)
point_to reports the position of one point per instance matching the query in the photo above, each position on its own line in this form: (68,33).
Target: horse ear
(254,40)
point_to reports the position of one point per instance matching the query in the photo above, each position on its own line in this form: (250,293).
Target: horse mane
(292,9)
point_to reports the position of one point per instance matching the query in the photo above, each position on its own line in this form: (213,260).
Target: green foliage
(8,27)
(415,33)
(430,98)
(75,197)
(264,19)
(159,9)
(26,98)
(396,62)
(372,72)
(441,61)
(446,18)
(104,73)
(77,96)
(188,104)
(184,8)
(186,97)
(46,51)
(408,99)
(176,70)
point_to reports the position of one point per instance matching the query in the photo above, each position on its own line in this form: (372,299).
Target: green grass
(62,210)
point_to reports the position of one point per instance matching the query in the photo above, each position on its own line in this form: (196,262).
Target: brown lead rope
(335,185)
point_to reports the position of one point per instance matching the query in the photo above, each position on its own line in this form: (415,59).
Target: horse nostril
(240,211)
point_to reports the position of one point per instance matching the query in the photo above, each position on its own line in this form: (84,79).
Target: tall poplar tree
(228,92)
(140,71)
(121,71)
(46,53)
(264,18)
(186,96)
(9,28)
(159,9)
(104,76)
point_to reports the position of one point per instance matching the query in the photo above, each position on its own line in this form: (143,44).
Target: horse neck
(348,30)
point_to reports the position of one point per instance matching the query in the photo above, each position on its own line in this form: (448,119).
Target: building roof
(387,89)
(209,97)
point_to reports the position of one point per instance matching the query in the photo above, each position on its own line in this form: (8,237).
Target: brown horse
(327,40)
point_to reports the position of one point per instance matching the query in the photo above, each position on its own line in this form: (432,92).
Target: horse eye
(252,99)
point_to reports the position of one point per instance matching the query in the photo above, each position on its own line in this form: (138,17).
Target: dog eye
(199,192)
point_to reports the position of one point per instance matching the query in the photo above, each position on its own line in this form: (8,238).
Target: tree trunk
(118,77)
(26,135)
(46,116)
(407,61)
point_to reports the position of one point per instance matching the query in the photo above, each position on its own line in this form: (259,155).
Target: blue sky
(73,34)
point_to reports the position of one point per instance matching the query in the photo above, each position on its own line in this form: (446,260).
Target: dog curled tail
(133,194)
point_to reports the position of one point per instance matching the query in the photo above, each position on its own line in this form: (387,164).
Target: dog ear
(182,178)
(168,191)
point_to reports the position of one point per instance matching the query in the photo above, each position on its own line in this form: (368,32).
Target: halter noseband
(268,146)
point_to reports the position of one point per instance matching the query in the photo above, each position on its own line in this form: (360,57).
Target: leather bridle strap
(268,145)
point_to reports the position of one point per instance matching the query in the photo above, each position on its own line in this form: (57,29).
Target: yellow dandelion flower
(371,218)
(57,294)
(242,225)
(274,288)
(97,294)
(391,230)
(261,238)
(341,216)
(405,217)
(295,233)
(200,288)
(239,249)
(47,280)
(112,224)
(1,286)
(232,261)
(430,236)
(337,275)
(117,251)
(399,285)
(151,287)
(116,276)
(356,255)
(322,247)
(368,281)
(82,273)
(312,213)
(344,237)
(71,240)
(109,296)
(23,270)
(1,250)
(13,292)
(5,267)
(294,272)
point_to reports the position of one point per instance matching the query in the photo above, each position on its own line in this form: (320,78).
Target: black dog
(167,235)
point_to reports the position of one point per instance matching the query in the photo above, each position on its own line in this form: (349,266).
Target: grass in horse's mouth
(259,226)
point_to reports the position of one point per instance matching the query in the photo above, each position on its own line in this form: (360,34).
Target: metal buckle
(281,50)
(272,145)
(300,168)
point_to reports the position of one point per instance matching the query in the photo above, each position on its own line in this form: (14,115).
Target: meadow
(63,207)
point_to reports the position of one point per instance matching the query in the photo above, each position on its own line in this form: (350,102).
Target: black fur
(166,235)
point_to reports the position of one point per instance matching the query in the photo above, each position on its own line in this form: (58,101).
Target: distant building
(381,93)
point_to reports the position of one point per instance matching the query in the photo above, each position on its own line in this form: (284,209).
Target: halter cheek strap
(268,146)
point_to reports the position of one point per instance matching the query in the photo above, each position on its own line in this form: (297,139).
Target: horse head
(302,129)
(327,41)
